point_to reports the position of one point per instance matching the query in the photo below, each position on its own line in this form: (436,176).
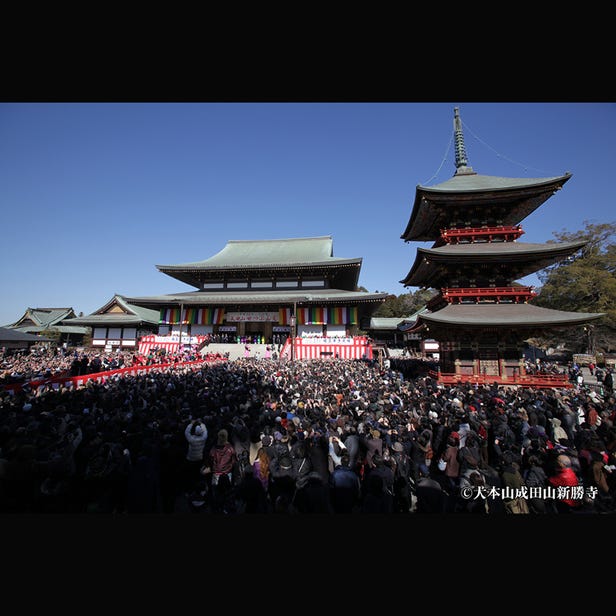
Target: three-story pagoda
(481,315)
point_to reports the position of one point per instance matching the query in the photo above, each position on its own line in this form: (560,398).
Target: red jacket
(223,458)
(567,478)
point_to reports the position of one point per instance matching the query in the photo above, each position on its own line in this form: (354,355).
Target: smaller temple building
(51,321)
(118,324)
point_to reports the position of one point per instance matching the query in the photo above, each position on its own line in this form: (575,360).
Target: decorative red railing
(453,236)
(525,380)
(454,295)
(458,295)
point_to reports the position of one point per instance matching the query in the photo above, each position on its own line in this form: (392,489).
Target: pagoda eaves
(476,200)
(503,316)
(485,261)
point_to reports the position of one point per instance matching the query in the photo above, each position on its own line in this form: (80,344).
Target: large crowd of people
(268,436)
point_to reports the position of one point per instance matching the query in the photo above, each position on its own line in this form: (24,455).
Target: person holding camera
(196,435)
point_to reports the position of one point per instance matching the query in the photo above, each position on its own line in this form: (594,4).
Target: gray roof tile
(305,251)
(504,315)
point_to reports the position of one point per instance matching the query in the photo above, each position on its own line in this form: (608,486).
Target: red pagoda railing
(455,295)
(526,380)
(459,295)
(453,236)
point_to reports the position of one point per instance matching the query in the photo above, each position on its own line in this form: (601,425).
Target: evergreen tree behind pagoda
(585,282)
(404,305)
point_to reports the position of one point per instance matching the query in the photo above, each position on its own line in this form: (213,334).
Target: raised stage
(327,347)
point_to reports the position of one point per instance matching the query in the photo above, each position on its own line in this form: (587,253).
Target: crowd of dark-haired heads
(336,420)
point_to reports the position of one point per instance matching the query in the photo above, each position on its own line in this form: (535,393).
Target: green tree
(53,334)
(389,308)
(404,305)
(412,302)
(585,282)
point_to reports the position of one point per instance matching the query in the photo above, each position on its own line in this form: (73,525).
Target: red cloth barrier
(77,381)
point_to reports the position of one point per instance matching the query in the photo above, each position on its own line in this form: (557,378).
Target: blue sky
(94,195)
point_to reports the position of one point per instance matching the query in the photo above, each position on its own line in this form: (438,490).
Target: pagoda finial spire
(462,166)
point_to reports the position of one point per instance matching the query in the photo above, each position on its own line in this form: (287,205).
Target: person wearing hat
(402,481)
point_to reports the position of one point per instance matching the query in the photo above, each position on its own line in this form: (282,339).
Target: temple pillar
(502,369)
(522,367)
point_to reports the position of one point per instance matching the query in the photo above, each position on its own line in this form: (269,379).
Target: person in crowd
(431,498)
(195,434)
(222,459)
(512,482)
(536,481)
(261,468)
(144,495)
(313,497)
(451,463)
(402,478)
(565,478)
(345,487)
(250,494)
(382,474)
(608,381)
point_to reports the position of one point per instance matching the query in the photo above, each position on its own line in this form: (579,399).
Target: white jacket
(196,442)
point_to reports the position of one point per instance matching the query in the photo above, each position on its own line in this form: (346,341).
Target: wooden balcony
(457,295)
(540,381)
(477,295)
(466,234)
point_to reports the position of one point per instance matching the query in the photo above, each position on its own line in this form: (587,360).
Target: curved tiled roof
(427,270)
(290,252)
(516,197)
(505,316)
(475,182)
(8,334)
(131,315)
(217,298)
